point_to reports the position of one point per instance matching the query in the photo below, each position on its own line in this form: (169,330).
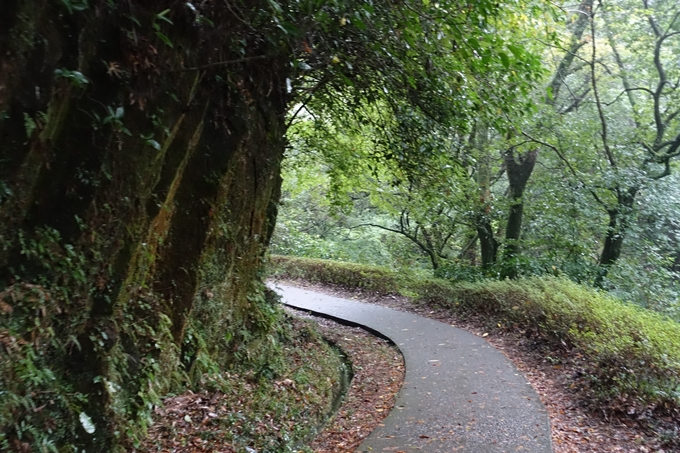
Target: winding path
(459,393)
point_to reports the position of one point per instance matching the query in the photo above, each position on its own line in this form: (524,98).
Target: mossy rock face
(136,197)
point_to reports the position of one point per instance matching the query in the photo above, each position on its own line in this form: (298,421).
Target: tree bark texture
(619,222)
(136,198)
(519,173)
(487,241)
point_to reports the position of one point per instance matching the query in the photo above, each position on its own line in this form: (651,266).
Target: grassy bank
(628,357)
(273,399)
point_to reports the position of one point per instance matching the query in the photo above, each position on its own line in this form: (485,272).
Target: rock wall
(139,175)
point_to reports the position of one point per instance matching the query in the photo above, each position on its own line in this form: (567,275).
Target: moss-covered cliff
(137,191)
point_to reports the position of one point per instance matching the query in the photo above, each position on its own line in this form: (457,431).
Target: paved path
(459,393)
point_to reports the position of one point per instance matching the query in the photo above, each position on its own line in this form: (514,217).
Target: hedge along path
(459,393)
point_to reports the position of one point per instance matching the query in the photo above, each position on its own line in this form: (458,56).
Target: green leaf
(87,423)
(29,124)
(289,28)
(75,5)
(517,51)
(165,39)
(275,6)
(154,144)
(344,78)
(486,56)
(358,23)
(505,60)
(474,43)
(163,16)
(76,77)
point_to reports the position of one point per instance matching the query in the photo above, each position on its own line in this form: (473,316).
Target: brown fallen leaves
(185,423)
(193,422)
(378,375)
(243,410)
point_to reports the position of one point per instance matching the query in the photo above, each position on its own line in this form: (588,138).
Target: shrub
(345,275)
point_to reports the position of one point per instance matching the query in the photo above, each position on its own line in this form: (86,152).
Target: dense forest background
(143,144)
(579,182)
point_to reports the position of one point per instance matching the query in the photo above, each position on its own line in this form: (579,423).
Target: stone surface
(459,393)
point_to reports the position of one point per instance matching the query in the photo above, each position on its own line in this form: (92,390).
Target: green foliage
(647,272)
(630,357)
(44,331)
(156,25)
(460,272)
(346,275)
(76,77)
(322,207)
(75,5)
(115,119)
(109,236)
(444,66)
(34,387)
(29,124)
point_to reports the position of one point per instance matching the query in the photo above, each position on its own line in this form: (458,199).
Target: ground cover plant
(275,404)
(626,359)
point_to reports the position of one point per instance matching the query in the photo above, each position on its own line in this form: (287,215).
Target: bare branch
(576,102)
(598,102)
(569,166)
(223,63)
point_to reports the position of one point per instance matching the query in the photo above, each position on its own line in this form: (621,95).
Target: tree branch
(598,102)
(568,164)
(223,63)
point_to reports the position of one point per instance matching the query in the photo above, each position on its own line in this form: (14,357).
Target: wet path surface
(459,393)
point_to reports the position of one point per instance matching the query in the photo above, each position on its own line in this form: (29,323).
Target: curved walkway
(459,393)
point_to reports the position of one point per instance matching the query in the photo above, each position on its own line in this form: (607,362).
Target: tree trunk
(580,24)
(518,176)
(616,230)
(139,197)
(487,242)
(434,260)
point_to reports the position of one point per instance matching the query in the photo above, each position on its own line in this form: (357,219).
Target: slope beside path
(459,393)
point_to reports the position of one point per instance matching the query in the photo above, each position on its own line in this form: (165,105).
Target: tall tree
(482,214)
(518,171)
(629,94)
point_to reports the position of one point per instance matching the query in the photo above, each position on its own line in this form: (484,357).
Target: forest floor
(378,369)
(575,427)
